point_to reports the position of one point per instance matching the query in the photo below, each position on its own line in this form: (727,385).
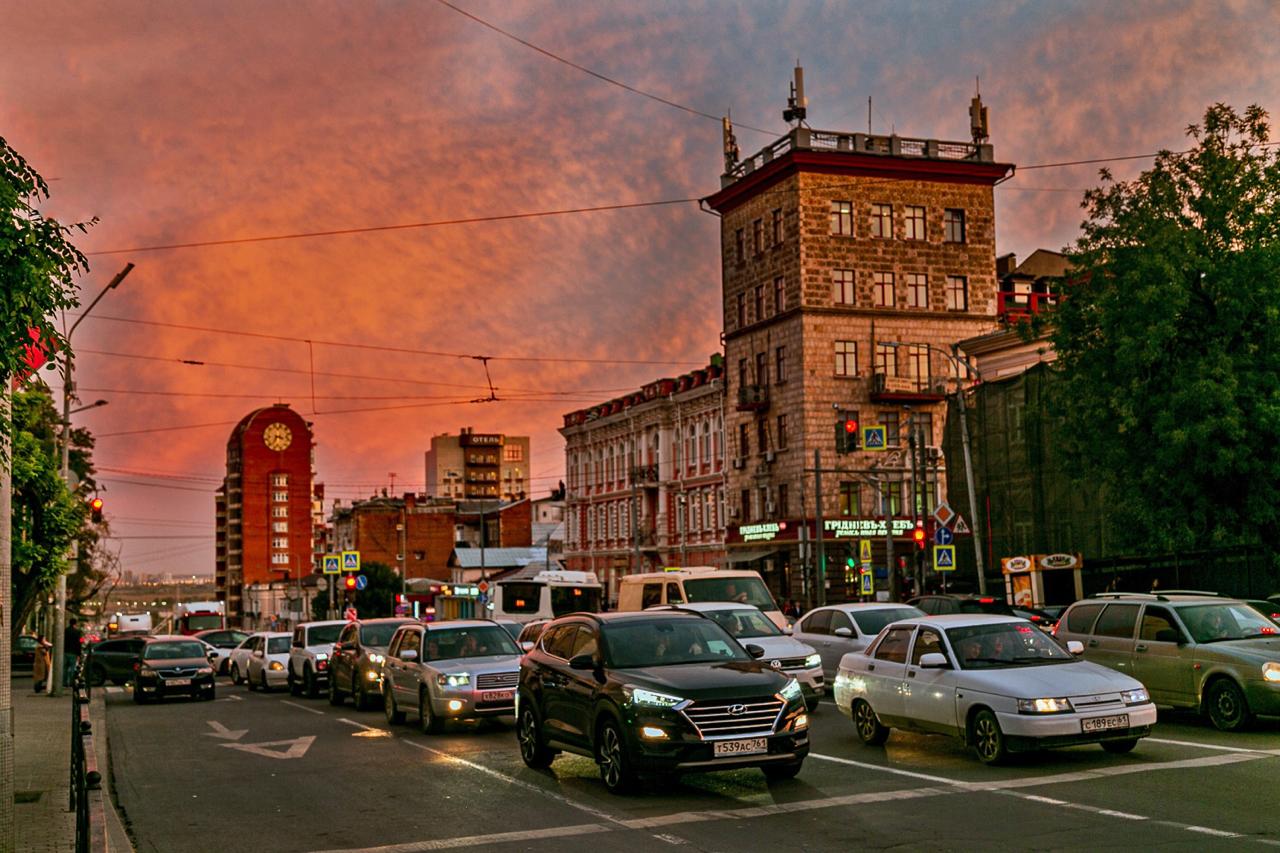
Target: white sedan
(996,682)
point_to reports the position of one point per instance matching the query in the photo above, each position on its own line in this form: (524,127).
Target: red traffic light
(851,426)
(350,581)
(95,509)
(918,535)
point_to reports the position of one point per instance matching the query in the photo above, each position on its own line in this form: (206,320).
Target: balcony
(753,398)
(1019,306)
(645,475)
(907,389)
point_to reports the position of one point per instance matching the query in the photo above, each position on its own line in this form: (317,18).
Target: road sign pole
(820,592)
(968,476)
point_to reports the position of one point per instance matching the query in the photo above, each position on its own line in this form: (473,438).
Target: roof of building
(1042,263)
(498,558)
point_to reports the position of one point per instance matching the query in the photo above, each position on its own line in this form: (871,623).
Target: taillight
(322,664)
(137,666)
(1055,629)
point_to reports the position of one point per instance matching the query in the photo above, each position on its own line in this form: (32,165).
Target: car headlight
(374,657)
(146,670)
(454,679)
(204,670)
(1043,706)
(1136,697)
(651,698)
(812,661)
(1271,672)
(322,656)
(791,692)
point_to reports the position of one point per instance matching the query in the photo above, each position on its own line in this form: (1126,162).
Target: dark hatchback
(656,693)
(173,666)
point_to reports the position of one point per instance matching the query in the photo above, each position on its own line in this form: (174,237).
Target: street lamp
(68,390)
(94,405)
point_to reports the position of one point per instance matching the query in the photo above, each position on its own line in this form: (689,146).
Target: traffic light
(847,432)
(349,582)
(918,535)
(95,510)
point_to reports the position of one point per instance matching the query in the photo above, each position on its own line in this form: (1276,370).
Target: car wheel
(1119,747)
(309,685)
(262,682)
(615,764)
(359,697)
(1226,706)
(811,705)
(427,720)
(208,695)
(868,726)
(529,735)
(335,698)
(394,715)
(782,772)
(235,674)
(987,739)
(97,676)
(138,696)
(295,687)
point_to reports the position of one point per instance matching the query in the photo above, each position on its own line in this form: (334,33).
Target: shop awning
(749,555)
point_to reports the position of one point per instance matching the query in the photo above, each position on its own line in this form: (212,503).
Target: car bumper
(160,687)
(1263,697)
(470,704)
(811,681)
(698,756)
(1026,731)
(277,677)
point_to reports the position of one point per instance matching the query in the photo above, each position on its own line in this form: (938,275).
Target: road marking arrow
(297,747)
(221,731)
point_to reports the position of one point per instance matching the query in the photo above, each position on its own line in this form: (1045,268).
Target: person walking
(42,664)
(71,640)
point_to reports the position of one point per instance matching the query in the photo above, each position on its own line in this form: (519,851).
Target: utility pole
(895,585)
(8,831)
(968,476)
(820,570)
(680,513)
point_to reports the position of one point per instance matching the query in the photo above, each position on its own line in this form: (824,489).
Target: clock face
(277,436)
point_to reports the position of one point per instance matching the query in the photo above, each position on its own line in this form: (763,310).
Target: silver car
(457,670)
(1217,655)
(836,630)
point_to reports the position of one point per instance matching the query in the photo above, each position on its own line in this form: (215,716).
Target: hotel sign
(477,439)
(765,532)
(841,528)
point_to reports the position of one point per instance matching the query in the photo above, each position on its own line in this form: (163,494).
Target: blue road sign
(944,558)
(351,561)
(943,536)
(362,581)
(874,438)
(331,564)
(868,585)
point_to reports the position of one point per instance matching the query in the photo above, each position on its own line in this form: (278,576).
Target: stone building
(478,466)
(851,263)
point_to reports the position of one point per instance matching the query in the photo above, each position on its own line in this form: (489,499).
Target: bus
(547,595)
(196,616)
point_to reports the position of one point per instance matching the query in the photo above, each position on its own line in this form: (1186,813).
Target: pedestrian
(42,664)
(71,639)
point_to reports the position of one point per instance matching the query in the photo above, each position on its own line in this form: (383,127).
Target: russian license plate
(177,682)
(1102,724)
(497,696)
(749,746)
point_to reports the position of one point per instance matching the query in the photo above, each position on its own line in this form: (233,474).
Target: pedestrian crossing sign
(944,558)
(332,564)
(868,583)
(874,438)
(351,561)
(864,551)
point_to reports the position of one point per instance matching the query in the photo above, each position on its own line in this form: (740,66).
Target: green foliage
(1168,342)
(377,599)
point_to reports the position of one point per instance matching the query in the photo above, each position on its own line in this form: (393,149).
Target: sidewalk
(42,759)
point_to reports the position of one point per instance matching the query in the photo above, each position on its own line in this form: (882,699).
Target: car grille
(497,680)
(735,717)
(1097,702)
(177,671)
(788,663)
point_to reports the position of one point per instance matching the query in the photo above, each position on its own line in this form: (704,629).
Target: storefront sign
(476,439)
(1015,564)
(764,532)
(841,528)
(1058,561)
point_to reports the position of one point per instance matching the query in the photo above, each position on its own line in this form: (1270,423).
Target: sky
(176,123)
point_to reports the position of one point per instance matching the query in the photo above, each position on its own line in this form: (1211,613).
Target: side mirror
(583,662)
(843,632)
(527,646)
(1075,647)
(754,650)
(409,654)
(212,656)
(258,653)
(934,660)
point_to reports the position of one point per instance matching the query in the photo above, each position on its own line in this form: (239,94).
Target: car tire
(138,697)
(782,772)
(394,715)
(811,705)
(1226,707)
(611,754)
(262,683)
(97,676)
(868,726)
(428,722)
(533,752)
(208,695)
(987,739)
(335,697)
(359,696)
(1120,747)
(235,674)
(295,686)
(310,687)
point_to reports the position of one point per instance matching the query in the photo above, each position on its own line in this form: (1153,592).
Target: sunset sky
(201,121)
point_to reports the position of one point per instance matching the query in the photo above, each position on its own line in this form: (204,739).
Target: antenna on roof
(797,104)
(731,152)
(978,126)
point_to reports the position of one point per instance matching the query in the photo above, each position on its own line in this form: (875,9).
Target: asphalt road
(275,773)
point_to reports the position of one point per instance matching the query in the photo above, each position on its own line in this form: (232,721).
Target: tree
(376,599)
(1168,343)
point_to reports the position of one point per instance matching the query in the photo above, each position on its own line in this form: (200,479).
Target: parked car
(238,659)
(698,584)
(23,656)
(458,670)
(113,660)
(788,655)
(656,692)
(1036,616)
(224,640)
(173,665)
(838,629)
(355,666)
(268,660)
(1268,608)
(1214,654)
(530,632)
(309,653)
(942,603)
(996,682)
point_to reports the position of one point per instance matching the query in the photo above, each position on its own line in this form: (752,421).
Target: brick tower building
(850,264)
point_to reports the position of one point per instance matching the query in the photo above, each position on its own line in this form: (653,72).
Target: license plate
(177,682)
(1102,724)
(497,696)
(750,746)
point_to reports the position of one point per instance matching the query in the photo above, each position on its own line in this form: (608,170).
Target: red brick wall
(258,462)
(517,526)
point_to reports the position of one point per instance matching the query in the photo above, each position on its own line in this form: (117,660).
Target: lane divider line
(301,707)
(478,840)
(1218,747)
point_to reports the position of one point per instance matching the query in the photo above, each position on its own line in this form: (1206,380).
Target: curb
(117,837)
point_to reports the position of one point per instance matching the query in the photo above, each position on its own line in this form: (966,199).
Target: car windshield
(474,642)
(742,623)
(182,650)
(742,589)
(378,634)
(1005,644)
(203,622)
(871,621)
(670,641)
(1210,623)
(324,634)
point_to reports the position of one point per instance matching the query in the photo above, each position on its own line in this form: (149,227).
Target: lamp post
(68,391)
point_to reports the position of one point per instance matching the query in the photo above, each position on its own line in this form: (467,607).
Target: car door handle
(1093,644)
(911,673)
(871,667)
(1141,647)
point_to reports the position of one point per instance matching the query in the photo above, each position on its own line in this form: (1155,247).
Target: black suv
(656,692)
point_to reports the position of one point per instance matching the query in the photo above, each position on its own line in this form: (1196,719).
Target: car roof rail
(1141,596)
(1204,592)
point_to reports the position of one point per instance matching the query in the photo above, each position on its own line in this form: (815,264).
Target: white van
(122,622)
(695,585)
(546,595)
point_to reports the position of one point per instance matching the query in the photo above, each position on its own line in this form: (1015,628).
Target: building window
(280,497)
(742,374)
(882,289)
(762,435)
(842,218)
(742,310)
(882,220)
(757,236)
(744,440)
(849,503)
(279,479)
(889,420)
(891,499)
(846,358)
(953,225)
(782,432)
(842,287)
(759,302)
(706,443)
(279,559)
(917,290)
(512,453)
(957,293)
(762,369)
(779,295)
(918,364)
(913,222)
(776,226)
(784,508)
(922,422)
(764,508)
(419,555)
(280,542)
(780,364)
(279,527)
(740,248)
(744,506)
(887,359)
(280,512)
